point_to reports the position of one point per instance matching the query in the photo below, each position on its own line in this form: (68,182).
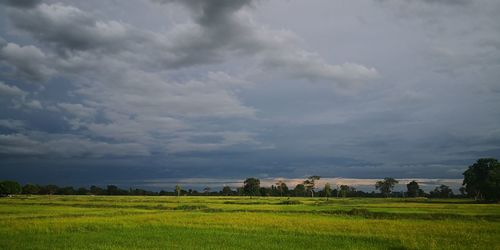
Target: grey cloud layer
(370,88)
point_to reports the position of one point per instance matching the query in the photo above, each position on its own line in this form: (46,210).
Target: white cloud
(29,61)
(33,104)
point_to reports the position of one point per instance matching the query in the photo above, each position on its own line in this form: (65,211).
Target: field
(135,222)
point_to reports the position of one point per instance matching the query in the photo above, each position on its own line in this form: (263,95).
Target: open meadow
(136,222)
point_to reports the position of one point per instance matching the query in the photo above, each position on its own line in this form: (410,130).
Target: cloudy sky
(135,92)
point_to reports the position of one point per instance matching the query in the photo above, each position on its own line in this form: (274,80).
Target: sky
(207,92)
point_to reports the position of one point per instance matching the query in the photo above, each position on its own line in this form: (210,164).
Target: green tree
(327,190)
(281,186)
(9,188)
(251,187)
(482,179)
(310,183)
(413,189)
(385,186)
(299,190)
(344,190)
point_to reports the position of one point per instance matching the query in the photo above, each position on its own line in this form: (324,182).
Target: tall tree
(226,190)
(281,186)
(482,179)
(310,183)
(299,190)
(385,186)
(251,187)
(413,189)
(344,190)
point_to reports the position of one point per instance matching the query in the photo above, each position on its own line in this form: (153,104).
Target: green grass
(133,222)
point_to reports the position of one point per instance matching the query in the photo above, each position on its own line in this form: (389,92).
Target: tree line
(481,182)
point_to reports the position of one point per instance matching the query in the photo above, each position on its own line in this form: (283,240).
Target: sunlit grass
(104,222)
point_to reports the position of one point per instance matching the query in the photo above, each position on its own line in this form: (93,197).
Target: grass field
(134,222)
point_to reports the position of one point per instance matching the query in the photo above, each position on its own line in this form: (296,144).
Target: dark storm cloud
(223,29)
(220,29)
(66,29)
(21,3)
(211,13)
(69,27)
